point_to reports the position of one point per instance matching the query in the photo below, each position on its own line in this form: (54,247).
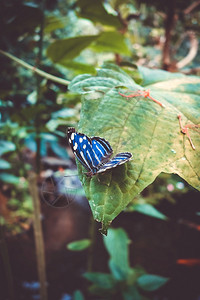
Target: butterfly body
(94,153)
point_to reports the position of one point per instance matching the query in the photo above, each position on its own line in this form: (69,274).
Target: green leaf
(65,50)
(140,126)
(77,295)
(4,164)
(64,113)
(52,23)
(79,245)
(9,178)
(94,10)
(58,150)
(116,243)
(102,280)
(151,282)
(107,78)
(78,67)
(130,293)
(6,146)
(111,41)
(52,124)
(149,210)
(152,76)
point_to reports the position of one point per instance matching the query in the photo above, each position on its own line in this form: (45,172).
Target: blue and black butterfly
(94,153)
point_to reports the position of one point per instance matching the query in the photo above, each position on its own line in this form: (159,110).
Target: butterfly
(94,153)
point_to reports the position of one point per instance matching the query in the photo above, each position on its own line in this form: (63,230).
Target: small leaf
(151,282)
(130,293)
(32,97)
(103,280)
(6,146)
(58,150)
(95,11)
(116,243)
(64,113)
(9,178)
(69,48)
(52,23)
(77,295)
(149,210)
(48,137)
(79,245)
(52,124)
(4,164)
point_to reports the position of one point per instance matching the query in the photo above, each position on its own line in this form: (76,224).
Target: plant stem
(6,264)
(38,90)
(40,253)
(35,70)
(39,243)
(92,235)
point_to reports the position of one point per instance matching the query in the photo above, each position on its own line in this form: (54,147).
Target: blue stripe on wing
(101,148)
(117,160)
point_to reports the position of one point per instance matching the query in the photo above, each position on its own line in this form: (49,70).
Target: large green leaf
(65,50)
(111,41)
(144,128)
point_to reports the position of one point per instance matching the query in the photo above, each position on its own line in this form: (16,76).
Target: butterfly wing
(80,144)
(102,149)
(91,152)
(117,160)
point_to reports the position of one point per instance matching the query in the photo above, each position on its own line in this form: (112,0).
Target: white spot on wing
(80,140)
(75,146)
(84,146)
(72,136)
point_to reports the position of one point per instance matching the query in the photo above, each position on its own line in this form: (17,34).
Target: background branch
(192,52)
(35,70)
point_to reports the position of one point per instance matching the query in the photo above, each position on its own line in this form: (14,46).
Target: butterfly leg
(145,94)
(185,130)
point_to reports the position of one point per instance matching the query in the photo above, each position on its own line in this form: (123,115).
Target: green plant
(123,282)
